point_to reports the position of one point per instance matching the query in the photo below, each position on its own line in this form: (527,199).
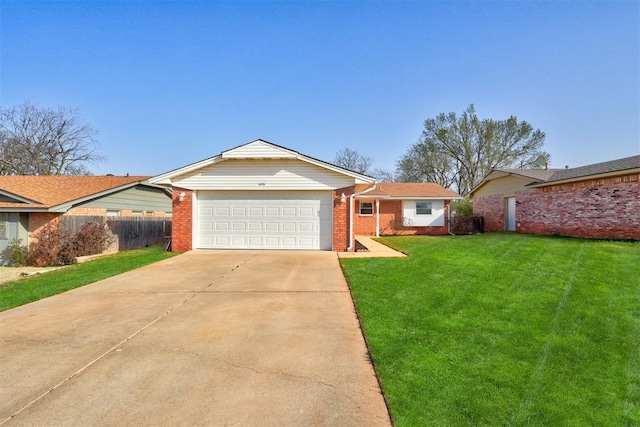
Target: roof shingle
(53,190)
(411,189)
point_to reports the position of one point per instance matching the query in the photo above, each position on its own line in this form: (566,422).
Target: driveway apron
(204,338)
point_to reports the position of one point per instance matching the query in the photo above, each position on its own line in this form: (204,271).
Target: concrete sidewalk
(205,338)
(375,249)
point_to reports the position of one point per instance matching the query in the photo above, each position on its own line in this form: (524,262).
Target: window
(4,217)
(423,208)
(366,208)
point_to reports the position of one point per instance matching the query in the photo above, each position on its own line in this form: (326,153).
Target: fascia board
(584,178)
(18,197)
(359,178)
(25,209)
(166,178)
(367,196)
(63,207)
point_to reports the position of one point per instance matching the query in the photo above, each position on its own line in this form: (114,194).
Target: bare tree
(40,141)
(383,175)
(458,151)
(354,161)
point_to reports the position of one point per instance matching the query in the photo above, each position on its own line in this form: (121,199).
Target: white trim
(167,178)
(351,209)
(364,214)
(410,197)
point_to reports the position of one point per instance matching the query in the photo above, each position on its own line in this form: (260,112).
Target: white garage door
(264,220)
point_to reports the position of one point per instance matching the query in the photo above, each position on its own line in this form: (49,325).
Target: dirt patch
(8,274)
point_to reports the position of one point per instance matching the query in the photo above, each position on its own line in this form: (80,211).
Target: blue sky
(171,83)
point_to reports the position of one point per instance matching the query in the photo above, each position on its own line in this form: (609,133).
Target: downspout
(449,219)
(351,197)
(377,218)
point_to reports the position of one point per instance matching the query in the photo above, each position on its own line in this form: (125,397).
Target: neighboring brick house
(601,200)
(27,203)
(403,208)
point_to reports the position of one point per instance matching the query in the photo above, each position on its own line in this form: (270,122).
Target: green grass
(503,329)
(23,291)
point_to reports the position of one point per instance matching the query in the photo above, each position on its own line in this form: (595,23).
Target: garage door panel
(272,226)
(272,211)
(265,219)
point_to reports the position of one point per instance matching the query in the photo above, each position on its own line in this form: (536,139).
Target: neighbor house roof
(57,193)
(413,190)
(613,167)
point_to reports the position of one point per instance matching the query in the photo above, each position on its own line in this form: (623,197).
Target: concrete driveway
(204,338)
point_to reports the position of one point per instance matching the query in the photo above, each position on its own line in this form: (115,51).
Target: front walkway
(375,249)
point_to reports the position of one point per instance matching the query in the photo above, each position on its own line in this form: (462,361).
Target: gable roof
(535,175)
(409,190)
(258,149)
(57,193)
(612,167)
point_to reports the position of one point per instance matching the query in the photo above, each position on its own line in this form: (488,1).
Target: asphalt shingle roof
(48,191)
(632,162)
(405,189)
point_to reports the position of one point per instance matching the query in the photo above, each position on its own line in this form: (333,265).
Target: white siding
(263,175)
(436,219)
(258,149)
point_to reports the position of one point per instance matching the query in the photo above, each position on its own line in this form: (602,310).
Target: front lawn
(23,291)
(503,329)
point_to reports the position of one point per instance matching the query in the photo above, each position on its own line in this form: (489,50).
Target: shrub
(397,226)
(92,238)
(462,207)
(53,247)
(15,254)
(56,245)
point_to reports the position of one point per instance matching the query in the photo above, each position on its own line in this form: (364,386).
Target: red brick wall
(604,209)
(341,239)
(492,209)
(37,220)
(390,210)
(182,221)
(87,211)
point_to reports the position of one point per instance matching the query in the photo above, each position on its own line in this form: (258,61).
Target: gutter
(351,197)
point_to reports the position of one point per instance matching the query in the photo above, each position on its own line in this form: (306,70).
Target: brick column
(341,238)
(182,217)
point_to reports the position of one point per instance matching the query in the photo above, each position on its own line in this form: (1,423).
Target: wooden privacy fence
(128,232)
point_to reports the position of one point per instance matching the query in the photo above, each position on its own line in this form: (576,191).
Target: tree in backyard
(457,151)
(383,175)
(41,141)
(353,161)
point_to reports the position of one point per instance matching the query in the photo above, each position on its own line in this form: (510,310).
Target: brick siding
(602,209)
(37,220)
(81,211)
(492,209)
(390,214)
(606,208)
(182,228)
(341,240)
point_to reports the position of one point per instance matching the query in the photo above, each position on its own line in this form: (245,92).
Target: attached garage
(262,196)
(264,220)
